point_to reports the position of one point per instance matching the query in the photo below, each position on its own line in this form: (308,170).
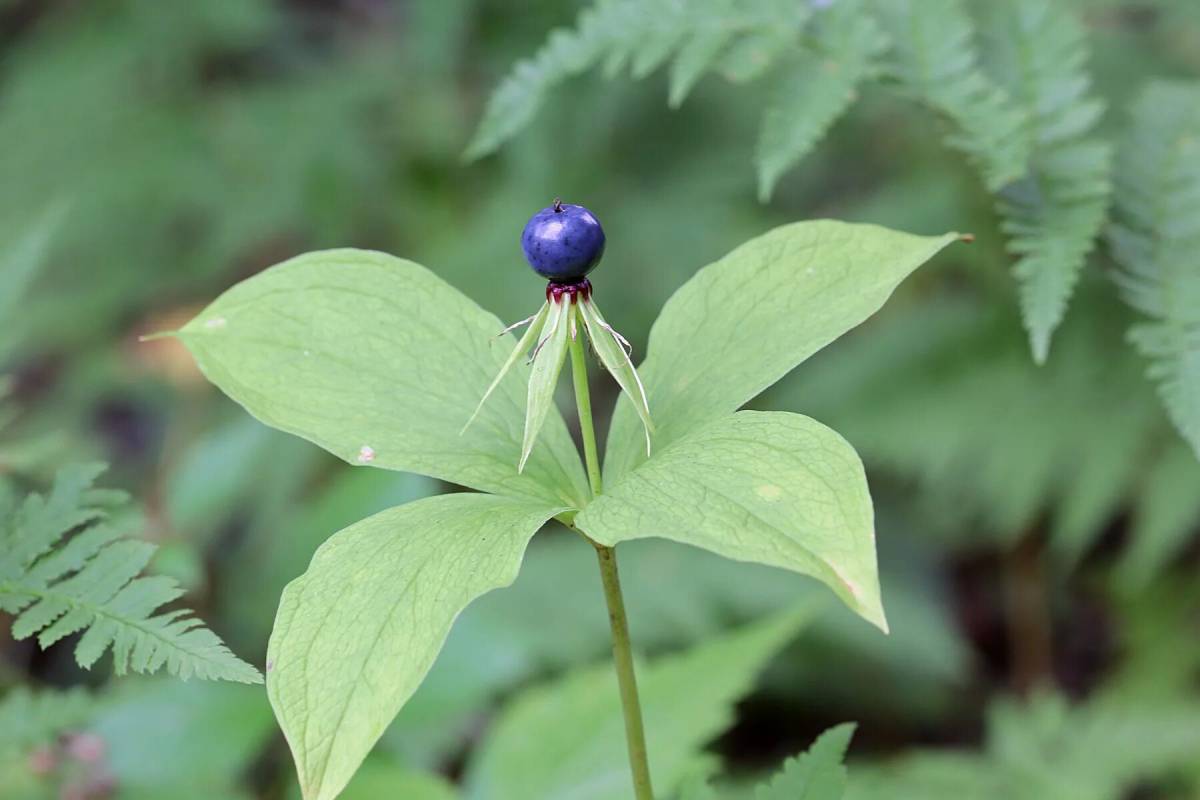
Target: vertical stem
(1029,623)
(635,735)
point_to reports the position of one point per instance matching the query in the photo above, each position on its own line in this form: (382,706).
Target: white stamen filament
(555,321)
(514,326)
(621,340)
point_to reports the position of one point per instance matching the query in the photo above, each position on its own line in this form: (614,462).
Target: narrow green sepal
(611,349)
(536,323)
(548,360)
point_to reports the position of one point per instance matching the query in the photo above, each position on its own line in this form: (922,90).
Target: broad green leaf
(548,360)
(358,631)
(678,594)
(817,774)
(566,739)
(742,323)
(763,486)
(611,349)
(381,362)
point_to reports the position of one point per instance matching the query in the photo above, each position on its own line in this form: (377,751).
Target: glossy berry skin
(563,242)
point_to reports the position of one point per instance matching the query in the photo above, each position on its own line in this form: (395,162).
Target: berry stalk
(635,735)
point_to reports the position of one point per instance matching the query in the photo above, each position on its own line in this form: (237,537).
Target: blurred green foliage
(152,153)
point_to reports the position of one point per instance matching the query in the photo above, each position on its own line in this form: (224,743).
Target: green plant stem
(635,735)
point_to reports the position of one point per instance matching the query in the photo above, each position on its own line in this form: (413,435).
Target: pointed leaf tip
(344,663)
(729,333)
(765,487)
(816,774)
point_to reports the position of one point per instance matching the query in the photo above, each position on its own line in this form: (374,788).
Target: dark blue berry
(563,242)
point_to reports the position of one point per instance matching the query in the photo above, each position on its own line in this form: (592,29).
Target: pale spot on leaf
(366,455)
(769,492)
(215,322)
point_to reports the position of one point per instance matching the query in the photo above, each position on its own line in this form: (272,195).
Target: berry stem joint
(563,243)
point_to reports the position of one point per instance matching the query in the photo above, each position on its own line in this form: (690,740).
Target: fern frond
(1054,213)
(935,59)
(816,774)
(519,96)
(1166,516)
(29,719)
(1156,240)
(643,35)
(695,57)
(816,87)
(749,57)
(1044,748)
(64,568)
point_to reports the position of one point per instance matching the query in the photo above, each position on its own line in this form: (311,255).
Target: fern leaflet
(519,96)
(1027,123)
(1156,239)
(935,59)
(817,86)
(817,774)
(1054,213)
(65,568)
(1047,749)
(696,36)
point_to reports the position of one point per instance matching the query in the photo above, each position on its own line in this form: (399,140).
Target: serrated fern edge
(62,571)
(1155,239)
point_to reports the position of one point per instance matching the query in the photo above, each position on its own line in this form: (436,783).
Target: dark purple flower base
(574,290)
